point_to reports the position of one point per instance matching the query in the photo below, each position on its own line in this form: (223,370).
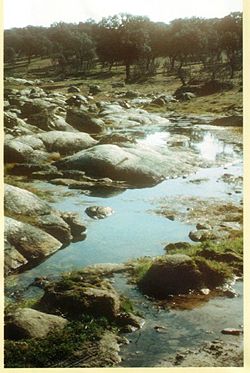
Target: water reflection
(210,147)
(205,143)
(155,139)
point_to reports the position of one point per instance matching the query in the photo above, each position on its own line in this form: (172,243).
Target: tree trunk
(127,71)
(172,60)
(111,65)
(181,73)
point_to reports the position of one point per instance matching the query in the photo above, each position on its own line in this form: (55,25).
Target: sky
(21,13)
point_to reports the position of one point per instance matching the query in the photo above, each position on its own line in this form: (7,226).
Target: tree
(70,44)
(9,54)
(231,39)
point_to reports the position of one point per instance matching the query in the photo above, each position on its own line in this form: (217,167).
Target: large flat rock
(135,165)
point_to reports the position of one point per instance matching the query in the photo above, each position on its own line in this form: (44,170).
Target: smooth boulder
(29,323)
(27,207)
(31,242)
(136,166)
(66,143)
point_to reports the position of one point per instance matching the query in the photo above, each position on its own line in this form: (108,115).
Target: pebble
(205,291)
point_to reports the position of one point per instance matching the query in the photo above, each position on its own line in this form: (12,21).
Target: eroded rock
(31,242)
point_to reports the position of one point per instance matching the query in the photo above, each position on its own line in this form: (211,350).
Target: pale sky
(20,13)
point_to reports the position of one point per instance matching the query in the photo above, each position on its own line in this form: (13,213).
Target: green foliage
(217,262)
(25,303)
(56,347)
(140,267)
(213,273)
(127,39)
(126,305)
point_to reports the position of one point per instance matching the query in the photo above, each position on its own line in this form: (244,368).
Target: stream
(135,230)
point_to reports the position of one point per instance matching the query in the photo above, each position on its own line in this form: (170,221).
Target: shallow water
(134,230)
(167,331)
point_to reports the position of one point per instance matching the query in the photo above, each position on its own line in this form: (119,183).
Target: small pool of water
(177,329)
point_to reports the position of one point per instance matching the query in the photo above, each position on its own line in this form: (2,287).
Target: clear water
(180,329)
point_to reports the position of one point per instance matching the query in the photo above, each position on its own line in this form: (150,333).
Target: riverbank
(111,177)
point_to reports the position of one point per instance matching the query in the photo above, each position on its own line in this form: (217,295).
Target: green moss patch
(57,347)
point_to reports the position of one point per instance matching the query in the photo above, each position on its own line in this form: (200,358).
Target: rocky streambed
(90,182)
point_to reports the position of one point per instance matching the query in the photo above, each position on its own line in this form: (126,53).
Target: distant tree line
(135,41)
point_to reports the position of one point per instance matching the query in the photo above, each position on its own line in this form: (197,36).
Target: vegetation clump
(57,346)
(190,268)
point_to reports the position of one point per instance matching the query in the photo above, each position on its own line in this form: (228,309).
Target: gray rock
(99,212)
(73,89)
(94,89)
(36,106)
(29,323)
(45,114)
(6,104)
(76,224)
(31,242)
(130,319)
(83,121)
(203,235)
(137,166)
(17,152)
(186,96)
(33,141)
(177,245)
(158,101)
(77,100)
(131,94)
(66,143)
(116,139)
(27,207)
(12,258)
(20,202)
(203,226)
(118,116)
(21,81)
(55,226)
(16,126)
